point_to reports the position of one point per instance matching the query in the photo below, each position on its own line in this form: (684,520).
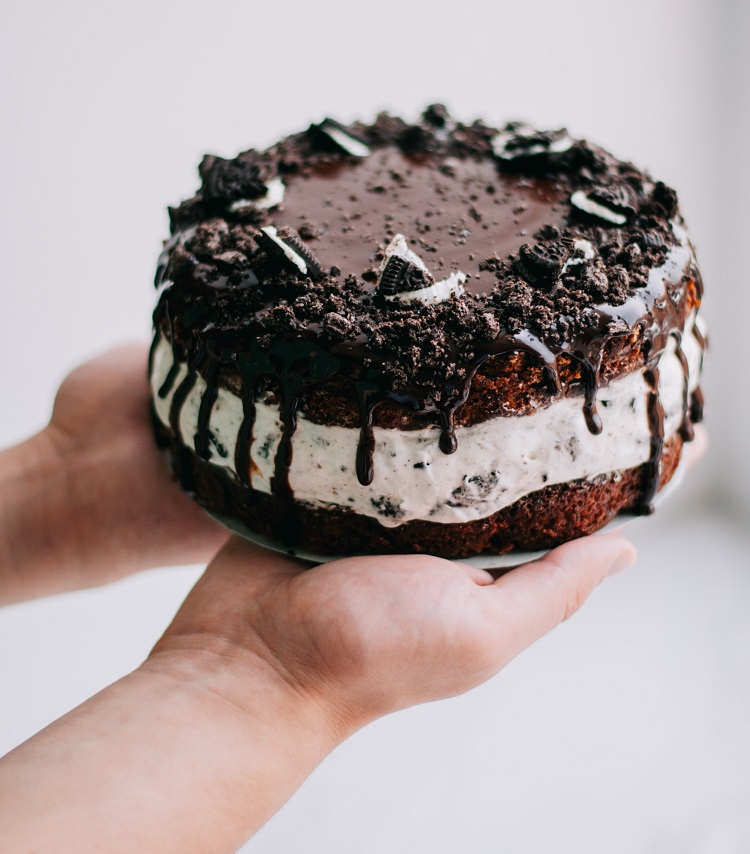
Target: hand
(266,668)
(89,499)
(363,637)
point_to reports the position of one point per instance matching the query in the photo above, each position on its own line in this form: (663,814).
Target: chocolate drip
(166,387)
(448,442)
(169,381)
(283,462)
(295,365)
(184,389)
(696,406)
(457,397)
(590,377)
(652,469)
(699,337)
(686,427)
(202,436)
(178,401)
(242,459)
(365,463)
(280,485)
(696,398)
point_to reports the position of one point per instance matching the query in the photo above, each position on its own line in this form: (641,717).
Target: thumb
(532,599)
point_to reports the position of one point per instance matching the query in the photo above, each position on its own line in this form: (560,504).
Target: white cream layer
(496,462)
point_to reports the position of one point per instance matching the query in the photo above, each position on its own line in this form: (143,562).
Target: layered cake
(433,337)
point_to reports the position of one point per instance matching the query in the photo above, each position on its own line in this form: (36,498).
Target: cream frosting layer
(496,462)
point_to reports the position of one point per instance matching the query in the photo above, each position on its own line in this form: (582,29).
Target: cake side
(539,520)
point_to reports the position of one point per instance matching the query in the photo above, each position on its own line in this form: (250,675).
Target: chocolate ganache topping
(398,264)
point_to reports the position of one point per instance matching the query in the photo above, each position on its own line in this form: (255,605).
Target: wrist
(219,670)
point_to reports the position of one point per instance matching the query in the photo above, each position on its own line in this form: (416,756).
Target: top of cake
(398,259)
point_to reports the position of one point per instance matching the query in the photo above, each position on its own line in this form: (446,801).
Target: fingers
(125,358)
(694,450)
(531,600)
(107,386)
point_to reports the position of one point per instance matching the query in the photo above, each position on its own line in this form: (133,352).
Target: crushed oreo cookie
(225,181)
(436,115)
(420,314)
(542,263)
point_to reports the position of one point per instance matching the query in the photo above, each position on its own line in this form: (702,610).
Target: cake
(431,337)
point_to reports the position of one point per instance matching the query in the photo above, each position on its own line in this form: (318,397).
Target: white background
(624,731)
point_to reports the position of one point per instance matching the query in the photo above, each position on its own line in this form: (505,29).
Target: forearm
(178,756)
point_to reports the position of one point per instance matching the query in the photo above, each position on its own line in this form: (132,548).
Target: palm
(370,624)
(384,632)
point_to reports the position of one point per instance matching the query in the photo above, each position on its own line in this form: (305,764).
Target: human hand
(89,500)
(266,668)
(367,636)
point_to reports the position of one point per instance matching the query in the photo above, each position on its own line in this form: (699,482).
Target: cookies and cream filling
(496,462)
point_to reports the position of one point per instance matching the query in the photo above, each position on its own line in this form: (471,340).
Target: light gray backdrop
(626,729)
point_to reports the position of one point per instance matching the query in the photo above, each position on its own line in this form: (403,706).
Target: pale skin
(267,666)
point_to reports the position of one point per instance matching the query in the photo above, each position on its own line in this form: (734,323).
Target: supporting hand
(88,500)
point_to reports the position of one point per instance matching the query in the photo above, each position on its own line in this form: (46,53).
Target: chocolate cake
(432,337)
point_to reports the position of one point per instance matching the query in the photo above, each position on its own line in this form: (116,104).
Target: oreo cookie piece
(611,204)
(436,115)
(543,263)
(284,246)
(330,131)
(402,270)
(225,181)
(522,142)
(416,140)
(665,198)
(404,277)
(400,276)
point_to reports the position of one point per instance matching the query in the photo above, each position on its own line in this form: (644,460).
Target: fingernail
(621,563)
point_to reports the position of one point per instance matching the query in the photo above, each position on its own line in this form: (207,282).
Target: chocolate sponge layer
(543,519)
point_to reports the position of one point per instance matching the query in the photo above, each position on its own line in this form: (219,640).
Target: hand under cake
(437,337)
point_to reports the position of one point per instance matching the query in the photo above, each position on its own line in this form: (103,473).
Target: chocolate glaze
(461,211)
(355,207)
